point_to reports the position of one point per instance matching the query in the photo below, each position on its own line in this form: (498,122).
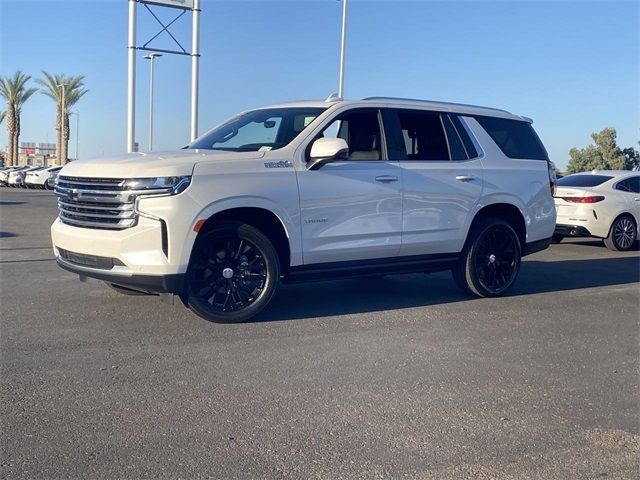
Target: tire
(622,234)
(557,238)
(233,273)
(126,291)
(490,260)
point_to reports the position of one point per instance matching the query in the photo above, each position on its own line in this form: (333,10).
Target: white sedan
(16,177)
(38,178)
(603,204)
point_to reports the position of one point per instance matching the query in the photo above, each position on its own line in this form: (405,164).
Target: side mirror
(327,150)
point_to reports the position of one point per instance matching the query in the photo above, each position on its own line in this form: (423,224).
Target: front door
(352,209)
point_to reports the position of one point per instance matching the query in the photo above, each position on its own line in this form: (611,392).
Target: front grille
(95,203)
(106,203)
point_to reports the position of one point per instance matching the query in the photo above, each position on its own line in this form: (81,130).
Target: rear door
(441,175)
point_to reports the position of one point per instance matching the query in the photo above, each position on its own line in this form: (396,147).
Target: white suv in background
(307,191)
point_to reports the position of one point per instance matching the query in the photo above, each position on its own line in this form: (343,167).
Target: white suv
(306,191)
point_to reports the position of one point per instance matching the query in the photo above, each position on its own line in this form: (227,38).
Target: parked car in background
(50,183)
(4,173)
(16,178)
(38,178)
(11,175)
(603,204)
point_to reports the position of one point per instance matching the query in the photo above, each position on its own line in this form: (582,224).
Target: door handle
(465,178)
(386,178)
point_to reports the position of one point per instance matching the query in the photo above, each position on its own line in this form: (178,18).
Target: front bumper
(172,283)
(133,251)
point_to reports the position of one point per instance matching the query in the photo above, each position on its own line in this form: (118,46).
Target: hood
(152,164)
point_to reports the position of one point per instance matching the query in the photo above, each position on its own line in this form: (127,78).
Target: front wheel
(557,238)
(490,260)
(233,273)
(623,234)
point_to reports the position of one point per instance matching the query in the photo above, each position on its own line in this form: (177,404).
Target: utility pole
(77,133)
(195,59)
(343,45)
(151,57)
(131,78)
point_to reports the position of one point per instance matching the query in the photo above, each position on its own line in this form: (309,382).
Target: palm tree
(14,91)
(72,89)
(2,115)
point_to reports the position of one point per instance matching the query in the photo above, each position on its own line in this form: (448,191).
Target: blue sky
(573,66)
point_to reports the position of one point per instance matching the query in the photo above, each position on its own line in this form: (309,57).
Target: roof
(616,173)
(405,102)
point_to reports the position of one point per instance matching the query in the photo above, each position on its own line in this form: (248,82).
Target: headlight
(157,185)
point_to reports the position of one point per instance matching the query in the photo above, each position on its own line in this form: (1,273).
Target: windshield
(266,129)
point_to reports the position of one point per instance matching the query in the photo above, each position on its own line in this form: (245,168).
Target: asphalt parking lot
(378,378)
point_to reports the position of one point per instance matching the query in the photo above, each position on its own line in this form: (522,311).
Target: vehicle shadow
(343,297)
(595,243)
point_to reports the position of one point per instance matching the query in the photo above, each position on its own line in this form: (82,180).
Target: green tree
(73,91)
(2,115)
(15,92)
(605,154)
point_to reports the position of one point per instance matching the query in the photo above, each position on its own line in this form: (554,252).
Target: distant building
(41,154)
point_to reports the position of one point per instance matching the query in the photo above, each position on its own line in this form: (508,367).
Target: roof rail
(434,101)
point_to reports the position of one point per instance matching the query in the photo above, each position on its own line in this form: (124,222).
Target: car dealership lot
(391,377)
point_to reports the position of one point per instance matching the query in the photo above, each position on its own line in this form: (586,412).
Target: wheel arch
(623,213)
(505,211)
(261,218)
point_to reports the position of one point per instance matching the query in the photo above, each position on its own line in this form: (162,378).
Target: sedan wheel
(623,234)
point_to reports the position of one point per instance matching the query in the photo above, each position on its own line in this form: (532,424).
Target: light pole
(77,114)
(151,57)
(63,108)
(343,45)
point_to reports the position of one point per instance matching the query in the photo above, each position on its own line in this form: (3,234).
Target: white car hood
(145,165)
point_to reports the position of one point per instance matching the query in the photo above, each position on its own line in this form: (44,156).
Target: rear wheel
(557,238)
(623,234)
(490,260)
(233,273)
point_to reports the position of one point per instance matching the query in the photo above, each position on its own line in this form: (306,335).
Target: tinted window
(466,140)
(629,185)
(361,130)
(516,139)
(583,180)
(455,144)
(415,135)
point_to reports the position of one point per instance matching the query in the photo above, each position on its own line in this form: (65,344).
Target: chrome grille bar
(106,203)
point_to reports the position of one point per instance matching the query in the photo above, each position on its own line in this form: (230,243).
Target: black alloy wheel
(233,273)
(490,261)
(623,234)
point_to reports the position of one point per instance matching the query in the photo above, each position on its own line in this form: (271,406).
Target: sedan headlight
(157,185)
